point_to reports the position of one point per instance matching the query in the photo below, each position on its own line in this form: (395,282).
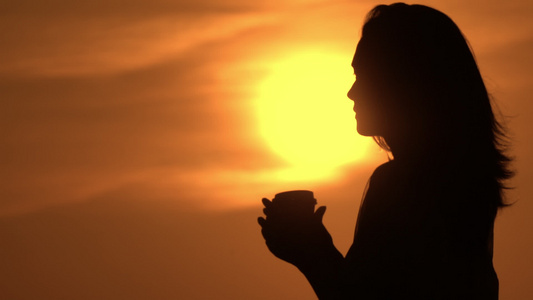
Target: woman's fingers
(267,203)
(261,221)
(266,230)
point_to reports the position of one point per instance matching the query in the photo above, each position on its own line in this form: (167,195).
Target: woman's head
(418,88)
(416,74)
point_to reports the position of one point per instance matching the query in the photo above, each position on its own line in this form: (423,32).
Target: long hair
(425,58)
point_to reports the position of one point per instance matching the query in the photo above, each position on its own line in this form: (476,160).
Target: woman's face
(370,94)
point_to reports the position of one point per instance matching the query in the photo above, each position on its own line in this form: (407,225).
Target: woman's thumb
(319,213)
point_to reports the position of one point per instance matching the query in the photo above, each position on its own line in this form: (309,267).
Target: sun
(305,116)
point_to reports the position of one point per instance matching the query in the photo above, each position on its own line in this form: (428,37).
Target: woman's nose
(351,93)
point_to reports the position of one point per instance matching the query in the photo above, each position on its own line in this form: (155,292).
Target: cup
(294,206)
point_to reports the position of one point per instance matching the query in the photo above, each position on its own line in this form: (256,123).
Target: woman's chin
(365,131)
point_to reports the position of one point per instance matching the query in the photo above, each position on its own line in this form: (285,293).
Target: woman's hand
(298,241)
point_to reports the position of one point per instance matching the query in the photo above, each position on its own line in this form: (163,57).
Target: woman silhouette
(425,226)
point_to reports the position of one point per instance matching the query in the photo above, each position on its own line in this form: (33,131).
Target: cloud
(68,138)
(65,38)
(73,132)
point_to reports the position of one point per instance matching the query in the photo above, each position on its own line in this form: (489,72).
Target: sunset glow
(305,116)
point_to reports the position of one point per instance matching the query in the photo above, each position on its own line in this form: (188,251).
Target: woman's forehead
(364,55)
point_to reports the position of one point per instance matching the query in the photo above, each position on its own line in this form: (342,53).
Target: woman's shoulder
(394,176)
(382,176)
(383,171)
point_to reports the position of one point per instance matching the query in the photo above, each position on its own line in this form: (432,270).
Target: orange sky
(132,167)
